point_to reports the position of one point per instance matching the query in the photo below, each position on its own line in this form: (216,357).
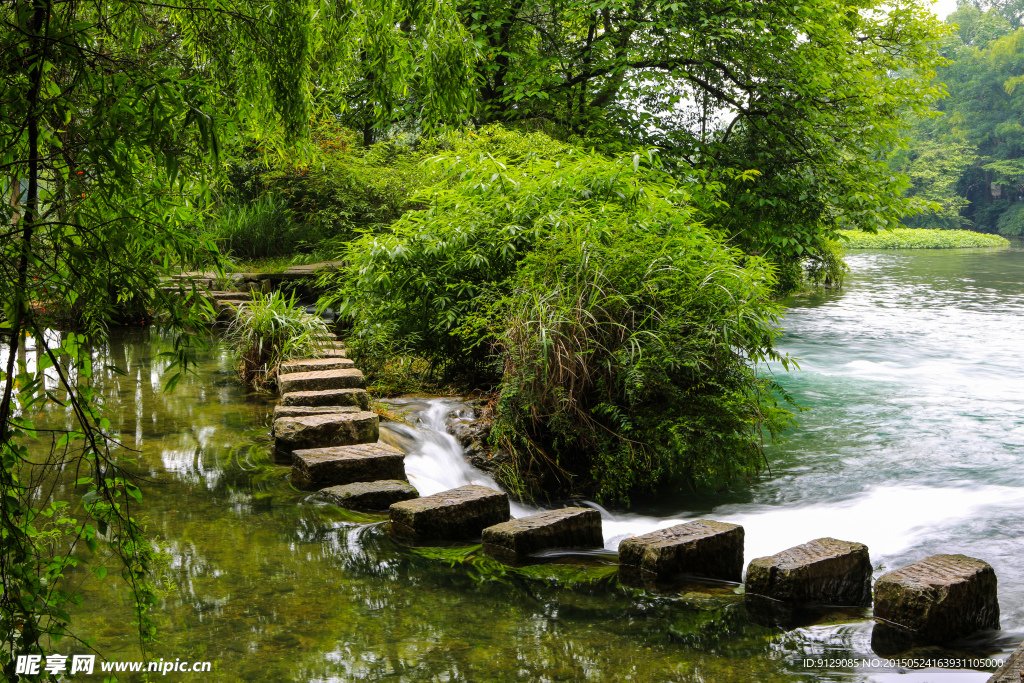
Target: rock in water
(330,397)
(513,541)
(369,496)
(702,548)
(319,468)
(314,364)
(824,570)
(939,598)
(453,515)
(323,431)
(1012,670)
(300,411)
(321,380)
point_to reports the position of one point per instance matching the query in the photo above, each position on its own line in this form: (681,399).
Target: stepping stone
(230,296)
(318,468)
(1012,670)
(369,496)
(514,541)
(453,515)
(332,353)
(703,548)
(329,397)
(939,598)
(314,364)
(824,570)
(320,380)
(300,411)
(323,431)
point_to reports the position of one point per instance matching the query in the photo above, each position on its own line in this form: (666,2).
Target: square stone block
(453,515)
(318,468)
(330,397)
(320,380)
(703,548)
(369,496)
(323,431)
(940,598)
(515,540)
(824,570)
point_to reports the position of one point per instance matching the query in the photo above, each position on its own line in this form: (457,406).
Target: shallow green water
(912,444)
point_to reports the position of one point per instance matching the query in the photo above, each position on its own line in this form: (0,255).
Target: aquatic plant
(920,238)
(269,330)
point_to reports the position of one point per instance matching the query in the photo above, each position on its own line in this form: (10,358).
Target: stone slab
(702,548)
(332,353)
(230,296)
(318,468)
(299,411)
(369,496)
(324,431)
(825,570)
(321,380)
(1012,670)
(515,540)
(314,364)
(329,397)
(940,598)
(457,514)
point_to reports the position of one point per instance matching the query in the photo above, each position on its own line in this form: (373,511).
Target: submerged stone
(371,495)
(703,548)
(330,397)
(322,431)
(939,598)
(320,380)
(513,541)
(825,570)
(314,364)
(318,468)
(457,514)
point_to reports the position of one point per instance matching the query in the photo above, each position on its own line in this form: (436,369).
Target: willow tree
(113,116)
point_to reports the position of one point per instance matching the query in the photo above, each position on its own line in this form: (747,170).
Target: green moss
(910,238)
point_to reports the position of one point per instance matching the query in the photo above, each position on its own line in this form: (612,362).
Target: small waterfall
(435,461)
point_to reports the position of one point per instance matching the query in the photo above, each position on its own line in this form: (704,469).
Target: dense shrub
(911,238)
(624,335)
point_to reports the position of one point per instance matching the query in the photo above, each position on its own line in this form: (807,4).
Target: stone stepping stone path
(315,364)
(323,426)
(321,380)
(825,570)
(317,468)
(940,598)
(454,515)
(370,496)
(706,549)
(514,541)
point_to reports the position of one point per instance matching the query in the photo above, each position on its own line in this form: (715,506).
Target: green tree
(112,119)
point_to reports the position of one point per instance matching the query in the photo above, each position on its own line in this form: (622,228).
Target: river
(911,442)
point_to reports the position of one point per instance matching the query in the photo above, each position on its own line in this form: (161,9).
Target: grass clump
(270,330)
(921,238)
(254,230)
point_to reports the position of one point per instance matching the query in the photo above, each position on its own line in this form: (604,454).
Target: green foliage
(1012,221)
(628,362)
(934,168)
(258,230)
(909,238)
(269,330)
(624,333)
(113,117)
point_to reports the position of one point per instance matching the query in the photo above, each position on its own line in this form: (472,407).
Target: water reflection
(912,446)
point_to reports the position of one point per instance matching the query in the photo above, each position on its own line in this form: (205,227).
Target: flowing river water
(912,442)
